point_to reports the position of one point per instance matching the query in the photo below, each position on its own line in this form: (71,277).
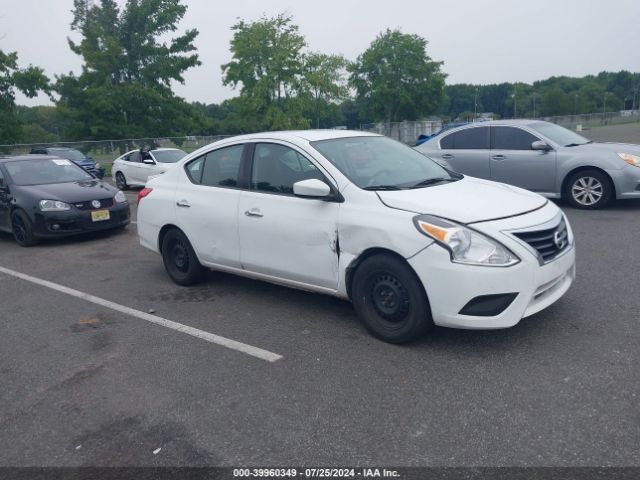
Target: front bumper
(627,181)
(451,286)
(75,221)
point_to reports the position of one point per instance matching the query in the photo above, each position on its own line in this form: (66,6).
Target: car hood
(467,200)
(71,192)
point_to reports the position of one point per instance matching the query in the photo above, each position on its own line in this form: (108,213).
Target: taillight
(143,193)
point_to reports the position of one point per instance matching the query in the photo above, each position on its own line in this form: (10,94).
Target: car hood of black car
(70,192)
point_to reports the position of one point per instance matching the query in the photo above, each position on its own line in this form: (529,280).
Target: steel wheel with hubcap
(390,299)
(589,189)
(180,260)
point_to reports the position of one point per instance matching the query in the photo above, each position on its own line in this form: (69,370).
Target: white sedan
(135,167)
(365,218)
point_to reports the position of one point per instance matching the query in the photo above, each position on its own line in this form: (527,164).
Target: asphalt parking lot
(84,384)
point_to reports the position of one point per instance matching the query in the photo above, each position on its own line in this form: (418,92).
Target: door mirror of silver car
(311,188)
(540,145)
(148,161)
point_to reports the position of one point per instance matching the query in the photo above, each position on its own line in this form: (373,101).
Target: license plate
(100,215)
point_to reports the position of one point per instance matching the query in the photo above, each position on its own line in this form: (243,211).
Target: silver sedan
(541,157)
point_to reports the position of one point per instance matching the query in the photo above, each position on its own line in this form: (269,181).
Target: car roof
(514,122)
(31,156)
(308,135)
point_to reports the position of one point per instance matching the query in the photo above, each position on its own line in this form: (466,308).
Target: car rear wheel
(180,260)
(589,189)
(390,299)
(22,229)
(121,182)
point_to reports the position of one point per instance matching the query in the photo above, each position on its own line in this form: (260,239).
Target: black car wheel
(589,189)
(180,260)
(22,229)
(390,299)
(121,182)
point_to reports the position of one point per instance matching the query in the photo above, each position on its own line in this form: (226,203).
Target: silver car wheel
(587,191)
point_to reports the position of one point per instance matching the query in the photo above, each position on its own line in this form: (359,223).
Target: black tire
(180,260)
(589,189)
(390,299)
(121,181)
(22,229)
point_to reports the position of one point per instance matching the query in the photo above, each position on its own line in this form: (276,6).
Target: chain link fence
(108,150)
(405,132)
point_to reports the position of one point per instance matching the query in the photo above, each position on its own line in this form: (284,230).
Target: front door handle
(498,157)
(447,156)
(183,203)
(254,212)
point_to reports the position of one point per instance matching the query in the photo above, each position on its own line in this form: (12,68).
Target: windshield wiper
(433,181)
(382,187)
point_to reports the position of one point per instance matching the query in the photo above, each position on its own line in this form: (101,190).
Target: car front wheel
(180,260)
(589,189)
(390,299)
(22,229)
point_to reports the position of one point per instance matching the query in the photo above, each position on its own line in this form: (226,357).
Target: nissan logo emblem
(95,203)
(558,240)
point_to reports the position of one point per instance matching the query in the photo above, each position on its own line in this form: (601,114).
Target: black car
(76,156)
(45,196)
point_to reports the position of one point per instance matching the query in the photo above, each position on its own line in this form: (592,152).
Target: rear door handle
(254,212)
(498,157)
(183,203)
(447,156)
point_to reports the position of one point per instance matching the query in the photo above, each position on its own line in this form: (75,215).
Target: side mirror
(311,188)
(540,145)
(148,161)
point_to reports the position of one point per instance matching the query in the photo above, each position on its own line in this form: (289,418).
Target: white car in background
(135,167)
(365,218)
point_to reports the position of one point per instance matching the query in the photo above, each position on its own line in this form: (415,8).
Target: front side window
(276,168)
(134,157)
(219,168)
(511,138)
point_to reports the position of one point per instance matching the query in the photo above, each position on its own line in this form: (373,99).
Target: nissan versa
(365,218)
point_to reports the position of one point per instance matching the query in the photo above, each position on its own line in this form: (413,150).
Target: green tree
(396,79)
(324,81)
(29,81)
(267,66)
(129,64)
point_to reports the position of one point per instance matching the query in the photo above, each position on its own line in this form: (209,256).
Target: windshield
(169,156)
(69,154)
(379,163)
(45,171)
(558,134)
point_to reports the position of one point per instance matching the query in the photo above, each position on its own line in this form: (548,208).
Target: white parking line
(209,337)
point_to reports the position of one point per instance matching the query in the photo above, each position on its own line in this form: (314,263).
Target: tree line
(124,87)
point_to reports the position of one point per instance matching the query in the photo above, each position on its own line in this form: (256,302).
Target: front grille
(104,203)
(548,243)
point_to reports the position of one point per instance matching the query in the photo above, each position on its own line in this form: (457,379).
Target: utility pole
(475,105)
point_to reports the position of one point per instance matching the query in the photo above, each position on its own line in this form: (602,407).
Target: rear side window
(510,138)
(134,157)
(447,142)
(220,168)
(468,139)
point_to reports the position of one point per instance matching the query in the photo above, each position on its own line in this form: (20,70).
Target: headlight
(120,197)
(97,165)
(53,206)
(630,159)
(465,245)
